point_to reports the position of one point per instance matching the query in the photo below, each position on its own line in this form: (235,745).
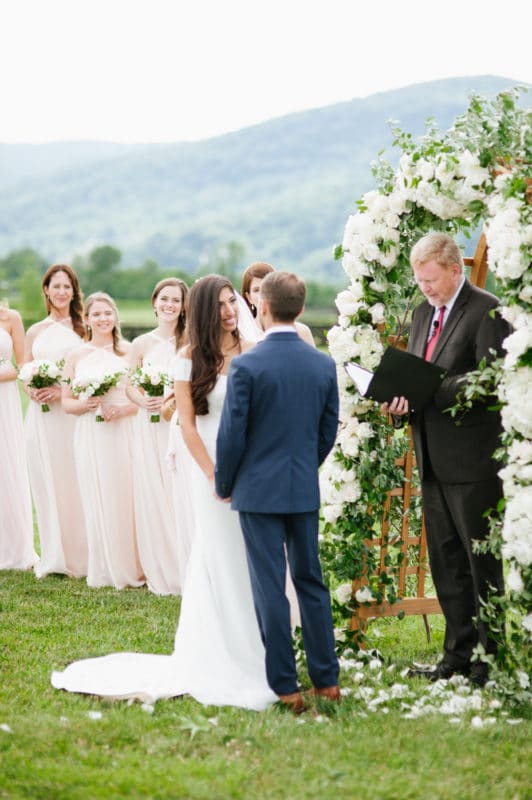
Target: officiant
(456,326)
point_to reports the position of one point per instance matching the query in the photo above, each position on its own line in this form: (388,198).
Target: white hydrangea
(346,304)
(518,342)
(517,527)
(341,343)
(507,237)
(515,391)
(514,580)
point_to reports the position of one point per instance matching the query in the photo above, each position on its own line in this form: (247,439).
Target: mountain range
(282,189)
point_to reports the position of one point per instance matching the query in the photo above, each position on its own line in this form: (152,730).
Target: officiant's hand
(397,408)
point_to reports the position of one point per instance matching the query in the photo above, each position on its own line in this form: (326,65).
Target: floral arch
(478,173)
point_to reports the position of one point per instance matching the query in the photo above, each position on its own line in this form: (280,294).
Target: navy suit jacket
(459,453)
(278,424)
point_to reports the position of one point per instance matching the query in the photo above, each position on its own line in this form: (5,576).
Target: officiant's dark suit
(278,424)
(455,461)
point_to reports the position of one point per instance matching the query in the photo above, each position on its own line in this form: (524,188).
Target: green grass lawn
(51,748)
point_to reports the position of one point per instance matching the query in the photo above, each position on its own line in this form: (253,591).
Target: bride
(218,655)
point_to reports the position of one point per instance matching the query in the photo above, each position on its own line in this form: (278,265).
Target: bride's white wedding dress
(218,655)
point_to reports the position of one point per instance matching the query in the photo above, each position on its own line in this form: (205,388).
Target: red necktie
(435,335)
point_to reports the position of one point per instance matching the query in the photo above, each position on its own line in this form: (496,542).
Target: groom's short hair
(285,294)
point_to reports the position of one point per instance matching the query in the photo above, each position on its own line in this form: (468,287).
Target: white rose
(514,580)
(344,593)
(346,304)
(365,431)
(520,451)
(26,371)
(331,513)
(526,294)
(350,447)
(350,492)
(377,313)
(392,219)
(522,677)
(516,391)
(516,345)
(378,286)
(527,623)
(364,595)
(425,169)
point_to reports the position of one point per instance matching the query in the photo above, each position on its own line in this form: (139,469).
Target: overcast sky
(175,70)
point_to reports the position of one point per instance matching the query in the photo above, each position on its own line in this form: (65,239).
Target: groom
(278,424)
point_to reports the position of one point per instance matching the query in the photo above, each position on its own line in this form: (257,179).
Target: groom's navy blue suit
(278,424)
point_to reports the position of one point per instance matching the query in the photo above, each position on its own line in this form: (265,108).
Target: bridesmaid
(16,523)
(104,450)
(49,436)
(252,278)
(159,524)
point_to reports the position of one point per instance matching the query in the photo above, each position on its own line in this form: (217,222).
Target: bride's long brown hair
(204,336)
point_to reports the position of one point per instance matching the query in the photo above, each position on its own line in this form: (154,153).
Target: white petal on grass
(94,715)
(148,708)
(4,727)
(514,721)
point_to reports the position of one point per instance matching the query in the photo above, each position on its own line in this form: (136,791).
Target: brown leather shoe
(293,701)
(328,693)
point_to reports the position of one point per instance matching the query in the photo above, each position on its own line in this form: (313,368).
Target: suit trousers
(265,536)
(454,519)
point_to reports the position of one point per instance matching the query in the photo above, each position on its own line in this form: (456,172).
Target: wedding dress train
(218,655)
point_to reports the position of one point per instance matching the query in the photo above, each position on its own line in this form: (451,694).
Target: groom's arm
(231,439)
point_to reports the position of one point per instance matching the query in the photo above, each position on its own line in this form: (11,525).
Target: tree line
(101,269)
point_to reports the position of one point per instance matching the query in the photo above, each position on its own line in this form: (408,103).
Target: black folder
(399,374)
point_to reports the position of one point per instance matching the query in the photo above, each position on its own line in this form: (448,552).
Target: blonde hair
(438,246)
(103,297)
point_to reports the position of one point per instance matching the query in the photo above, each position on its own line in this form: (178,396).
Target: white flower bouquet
(153,382)
(42,373)
(95,387)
